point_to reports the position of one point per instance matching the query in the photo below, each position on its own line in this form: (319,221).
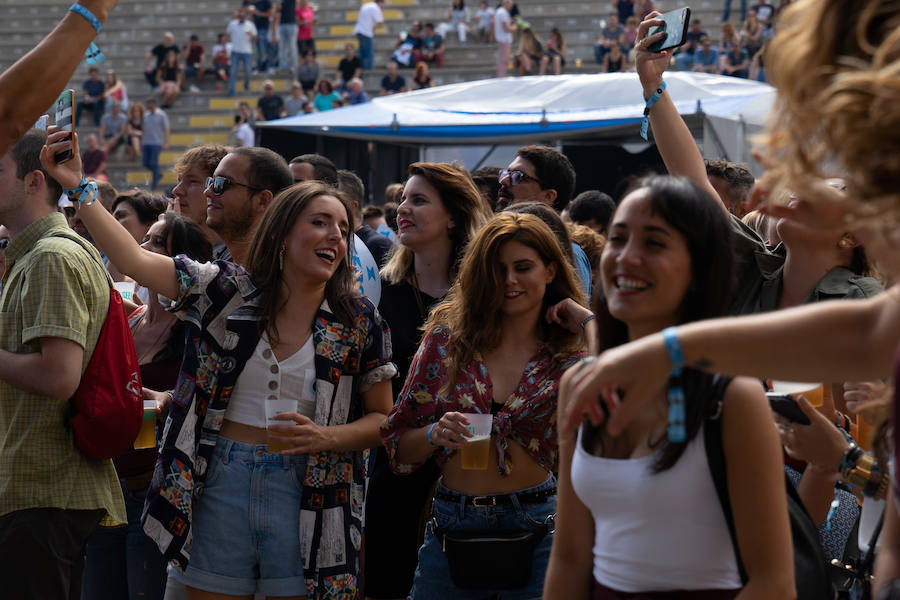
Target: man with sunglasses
(241,188)
(545,175)
(193,168)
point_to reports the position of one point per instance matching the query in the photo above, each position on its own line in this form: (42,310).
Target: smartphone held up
(675,24)
(65,120)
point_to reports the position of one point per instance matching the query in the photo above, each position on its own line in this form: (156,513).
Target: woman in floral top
(490,349)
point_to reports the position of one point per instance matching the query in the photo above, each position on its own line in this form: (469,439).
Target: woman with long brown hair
(489,349)
(440,211)
(252,504)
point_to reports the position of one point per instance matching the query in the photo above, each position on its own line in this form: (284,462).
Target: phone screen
(65,115)
(675,25)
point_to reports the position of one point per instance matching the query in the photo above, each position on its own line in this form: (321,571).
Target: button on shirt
(370,15)
(54,287)
(241,35)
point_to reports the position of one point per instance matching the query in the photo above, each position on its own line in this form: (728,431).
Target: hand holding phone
(787,407)
(675,25)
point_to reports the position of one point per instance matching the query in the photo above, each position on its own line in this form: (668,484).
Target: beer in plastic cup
(125,289)
(275,406)
(814,392)
(864,433)
(146,437)
(476,450)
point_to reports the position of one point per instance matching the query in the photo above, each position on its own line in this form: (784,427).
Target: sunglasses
(516,177)
(4,243)
(218,185)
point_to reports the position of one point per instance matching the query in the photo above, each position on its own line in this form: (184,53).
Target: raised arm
(673,138)
(34,81)
(151,270)
(834,340)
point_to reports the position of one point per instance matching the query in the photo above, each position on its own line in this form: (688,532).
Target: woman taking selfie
(286,340)
(489,349)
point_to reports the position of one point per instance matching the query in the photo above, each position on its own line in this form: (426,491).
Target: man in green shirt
(53,305)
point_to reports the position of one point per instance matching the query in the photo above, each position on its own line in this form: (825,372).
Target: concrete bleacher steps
(207,117)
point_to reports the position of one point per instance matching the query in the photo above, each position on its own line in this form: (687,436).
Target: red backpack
(107,408)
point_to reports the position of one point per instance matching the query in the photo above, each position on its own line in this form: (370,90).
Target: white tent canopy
(516,109)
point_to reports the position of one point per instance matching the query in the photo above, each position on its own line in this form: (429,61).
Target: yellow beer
(277,443)
(147,435)
(475,452)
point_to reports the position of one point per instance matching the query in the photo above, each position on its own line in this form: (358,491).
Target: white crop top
(264,377)
(656,531)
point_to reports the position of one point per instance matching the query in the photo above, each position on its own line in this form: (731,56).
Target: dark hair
(592,205)
(26,153)
(488,180)
(263,264)
(183,236)
(352,186)
(323,169)
(738,180)
(146,206)
(554,170)
(390,214)
(267,170)
(548,216)
(690,210)
(429,25)
(371,212)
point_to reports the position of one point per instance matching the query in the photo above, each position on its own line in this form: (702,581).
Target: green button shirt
(53,287)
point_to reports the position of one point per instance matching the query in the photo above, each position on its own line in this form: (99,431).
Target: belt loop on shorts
(226,451)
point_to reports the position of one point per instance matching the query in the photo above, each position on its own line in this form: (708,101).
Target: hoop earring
(281,259)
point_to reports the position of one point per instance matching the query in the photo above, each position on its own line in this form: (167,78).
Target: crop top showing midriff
(264,377)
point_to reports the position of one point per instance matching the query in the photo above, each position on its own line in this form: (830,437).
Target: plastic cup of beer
(864,432)
(814,392)
(476,450)
(147,435)
(274,406)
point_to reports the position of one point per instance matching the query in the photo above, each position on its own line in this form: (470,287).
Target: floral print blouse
(528,415)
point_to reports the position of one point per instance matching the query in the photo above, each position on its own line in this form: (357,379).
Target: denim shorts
(433,580)
(246,525)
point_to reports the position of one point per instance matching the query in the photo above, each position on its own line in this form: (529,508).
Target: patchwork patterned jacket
(219,305)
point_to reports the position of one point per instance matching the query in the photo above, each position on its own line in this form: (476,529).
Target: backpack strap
(715,456)
(88,247)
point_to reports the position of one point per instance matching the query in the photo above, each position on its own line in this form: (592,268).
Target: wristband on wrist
(675,393)
(88,188)
(428,435)
(645,122)
(587,320)
(92,54)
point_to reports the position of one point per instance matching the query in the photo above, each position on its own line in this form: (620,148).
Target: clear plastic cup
(275,406)
(476,450)
(814,392)
(146,437)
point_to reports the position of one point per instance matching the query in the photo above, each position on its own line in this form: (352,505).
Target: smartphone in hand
(788,408)
(675,24)
(65,120)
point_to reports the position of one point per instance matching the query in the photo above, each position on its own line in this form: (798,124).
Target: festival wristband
(587,320)
(85,12)
(78,193)
(673,349)
(645,122)
(428,435)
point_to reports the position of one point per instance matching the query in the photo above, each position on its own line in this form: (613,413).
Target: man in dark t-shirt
(269,107)
(92,98)
(349,68)
(261,10)
(159,52)
(393,82)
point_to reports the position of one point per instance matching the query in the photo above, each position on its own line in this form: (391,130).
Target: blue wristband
(673,348)
(428,435)
(85,187)
(87,14)
(645,122)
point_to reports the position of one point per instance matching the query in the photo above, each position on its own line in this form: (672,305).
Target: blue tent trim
(476,131)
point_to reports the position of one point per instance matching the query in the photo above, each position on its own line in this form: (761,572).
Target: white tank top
(264,377)
(656,531)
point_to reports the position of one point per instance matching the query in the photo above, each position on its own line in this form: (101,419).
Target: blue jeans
(727,12)
(150,160)
(265,52)
(433,580)
(287,47)
(366,51)
(237,59)
(96,107)
(246,526)
(122,562)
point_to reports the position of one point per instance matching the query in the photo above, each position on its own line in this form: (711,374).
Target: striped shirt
(53,288)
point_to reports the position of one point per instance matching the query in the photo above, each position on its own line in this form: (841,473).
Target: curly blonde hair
(836,65)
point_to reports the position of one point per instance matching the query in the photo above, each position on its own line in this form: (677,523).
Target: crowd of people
(487,388)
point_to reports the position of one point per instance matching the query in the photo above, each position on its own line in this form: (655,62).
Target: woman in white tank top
(638,513)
